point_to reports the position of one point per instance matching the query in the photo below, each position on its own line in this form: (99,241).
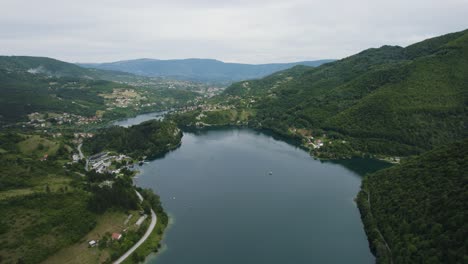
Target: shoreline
(293,140)
(377,244)
(290,139)
(149,231)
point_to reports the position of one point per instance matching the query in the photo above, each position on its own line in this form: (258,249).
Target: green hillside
(419,208)
(24,93)
(48,86)
(43,65)
(54,68)
(149,139)
(390,100)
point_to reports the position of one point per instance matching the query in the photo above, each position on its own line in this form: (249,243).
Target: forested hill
(149,139)
(420,208)
(43,66)
(398,100)
(205,70)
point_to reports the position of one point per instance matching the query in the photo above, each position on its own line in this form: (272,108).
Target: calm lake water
(225,207)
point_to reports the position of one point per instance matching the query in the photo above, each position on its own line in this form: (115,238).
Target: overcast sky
(250,31)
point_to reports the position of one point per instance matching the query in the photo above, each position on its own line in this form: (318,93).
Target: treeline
(28,223)
(119,195)
(150,139)
(419,208)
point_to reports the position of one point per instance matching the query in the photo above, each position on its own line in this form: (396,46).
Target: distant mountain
(206,70)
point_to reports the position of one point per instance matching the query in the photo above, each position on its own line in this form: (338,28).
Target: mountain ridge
(196,69)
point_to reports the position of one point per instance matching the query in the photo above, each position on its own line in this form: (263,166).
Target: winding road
(82,156)
(150,229)
(154,220)
(377,229)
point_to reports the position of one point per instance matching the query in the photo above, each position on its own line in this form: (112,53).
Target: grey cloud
(242,31)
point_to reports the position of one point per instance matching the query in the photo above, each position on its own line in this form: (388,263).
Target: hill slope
(400,100)
(49,67)
(418,209)
(205,70)
(38,84)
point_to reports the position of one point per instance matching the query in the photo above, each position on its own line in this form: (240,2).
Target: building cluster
(205,107)
(83,135)
(308,139)
(123,98)
(41,120)
(122,102)
(115,237)
(212,91)
(101,162)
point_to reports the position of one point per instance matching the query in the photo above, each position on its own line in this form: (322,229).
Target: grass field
(38,146)
(55,183)
(80,253)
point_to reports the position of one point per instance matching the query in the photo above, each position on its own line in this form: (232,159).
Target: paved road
(79,151)
(154,220)
(377,229)
(82,156)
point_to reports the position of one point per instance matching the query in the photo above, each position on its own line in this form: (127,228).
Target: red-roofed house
(116,236)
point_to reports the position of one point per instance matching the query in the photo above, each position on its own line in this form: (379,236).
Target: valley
(254,163)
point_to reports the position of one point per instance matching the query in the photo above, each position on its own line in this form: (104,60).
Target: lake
(241,196)
(140,119)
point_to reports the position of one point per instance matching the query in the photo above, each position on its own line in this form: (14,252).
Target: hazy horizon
(173,59)
(253,32)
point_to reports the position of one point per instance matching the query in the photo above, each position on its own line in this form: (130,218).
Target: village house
(92,243)
(116,236)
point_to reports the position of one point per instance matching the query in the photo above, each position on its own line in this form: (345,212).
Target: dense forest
(41,223)
(389,100)
(149,139)
(417,212)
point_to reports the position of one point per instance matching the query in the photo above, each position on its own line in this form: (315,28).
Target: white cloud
(243,31)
